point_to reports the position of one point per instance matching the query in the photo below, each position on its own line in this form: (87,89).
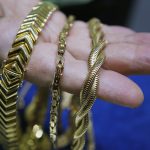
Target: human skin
(127,53)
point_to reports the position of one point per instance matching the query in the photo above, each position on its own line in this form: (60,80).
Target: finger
(79,39)
(2,13)
(5,8)
(138,38)
(8,35)
(113,87)
(118,34)
(9,27)
(79,42)
(129,57)
(17,8)
(53,27)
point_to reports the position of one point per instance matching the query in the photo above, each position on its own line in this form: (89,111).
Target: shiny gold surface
(70,102)
(75,105)
(56,93)
(89,90)
(34,138)
(14,68)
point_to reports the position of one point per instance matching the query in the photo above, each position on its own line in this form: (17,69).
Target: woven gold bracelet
(74,106)
(89,90)
(56,94)
(70,103)
(14,69)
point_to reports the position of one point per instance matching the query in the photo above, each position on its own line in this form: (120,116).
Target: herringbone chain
(14,68)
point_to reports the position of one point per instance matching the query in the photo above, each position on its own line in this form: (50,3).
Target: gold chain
(34,136)
(14,69)
(89,90)
(56,82)
(90,134)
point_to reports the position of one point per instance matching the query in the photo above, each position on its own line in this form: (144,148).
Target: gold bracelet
(56,82)
(14,69)
(90,134)
(75,105)
(89,90)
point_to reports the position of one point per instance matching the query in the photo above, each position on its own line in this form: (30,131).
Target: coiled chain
(89,90)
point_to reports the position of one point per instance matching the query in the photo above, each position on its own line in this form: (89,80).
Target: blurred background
(115,127)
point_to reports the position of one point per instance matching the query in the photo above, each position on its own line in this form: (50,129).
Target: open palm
(127,53)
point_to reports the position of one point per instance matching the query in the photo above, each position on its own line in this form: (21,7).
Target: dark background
(109,11)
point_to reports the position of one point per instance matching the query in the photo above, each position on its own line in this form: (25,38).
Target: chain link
(89,90)
(14,69)
(56,82)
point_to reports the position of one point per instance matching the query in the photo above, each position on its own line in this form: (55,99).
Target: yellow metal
(56,93)
(14,69)
(89,90)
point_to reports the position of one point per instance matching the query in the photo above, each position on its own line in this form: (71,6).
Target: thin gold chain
(56,93)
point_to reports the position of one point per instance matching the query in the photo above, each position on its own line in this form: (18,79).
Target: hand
(127,53)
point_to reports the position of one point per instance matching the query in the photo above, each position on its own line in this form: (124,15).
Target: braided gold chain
(14,68)
(90,133)
(56,82)
(89,90)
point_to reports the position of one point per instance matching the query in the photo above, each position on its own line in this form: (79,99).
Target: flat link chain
(14,69)
(89,90)
(56,82)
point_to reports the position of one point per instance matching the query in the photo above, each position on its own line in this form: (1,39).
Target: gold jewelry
(56,82)
(64,138)
(14,68)
(71,103)
(89,90)
(90,134)
(34,136)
